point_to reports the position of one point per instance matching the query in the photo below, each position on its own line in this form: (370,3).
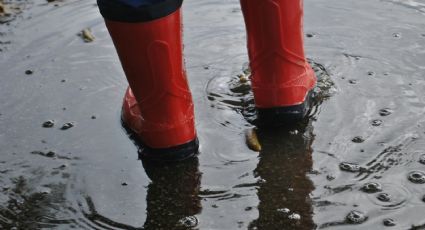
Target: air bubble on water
(284,210)
(384,197)
(294,216)
(358,139)
(48,124)
(417,177)
(389,222)
(349,167)
(188,222)
(422,159)
(356,217)
(385,112)
(376,122)
(372,187)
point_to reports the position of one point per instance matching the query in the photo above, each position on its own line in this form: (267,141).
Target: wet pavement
(358,163)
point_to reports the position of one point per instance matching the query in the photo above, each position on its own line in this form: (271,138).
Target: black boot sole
(175,153)
(288,115)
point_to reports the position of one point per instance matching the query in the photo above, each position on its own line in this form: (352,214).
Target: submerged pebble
(376,122)
(67,126)
(385,112)
(349,167)
(371,187)
(417,177)
(49,124)
(356,217)
(358,139)
(384,197)
(389,222)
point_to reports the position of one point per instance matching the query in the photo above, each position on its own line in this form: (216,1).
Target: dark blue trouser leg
(138,3)
(137,10)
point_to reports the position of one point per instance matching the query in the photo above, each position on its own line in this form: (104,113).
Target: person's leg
(282,79)
(158,105)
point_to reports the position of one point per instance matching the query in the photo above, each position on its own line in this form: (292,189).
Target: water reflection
(172,198)
(285,162)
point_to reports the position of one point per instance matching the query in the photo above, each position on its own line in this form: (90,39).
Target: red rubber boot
(158,105)
(282,79)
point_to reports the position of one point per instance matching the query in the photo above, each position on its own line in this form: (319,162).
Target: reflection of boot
(158,105)
(281,76)
(172,197)
(284,195)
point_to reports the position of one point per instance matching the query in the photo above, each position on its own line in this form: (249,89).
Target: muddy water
(355,164)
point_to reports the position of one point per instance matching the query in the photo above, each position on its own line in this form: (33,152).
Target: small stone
(67,126)
(352,81)
(389,222)
(124,184)
(358,139)
(356,217)
(29,72)
(371,187)
(214,206)
(309,35)
(371,73)
(93,117)
(248,209)
(63,80)
(49,124)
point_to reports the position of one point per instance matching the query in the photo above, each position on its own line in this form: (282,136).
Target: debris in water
(67,126)
(124,184)
(356,217)
(49,124)
(252,140)
(29,72)
(87,35)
